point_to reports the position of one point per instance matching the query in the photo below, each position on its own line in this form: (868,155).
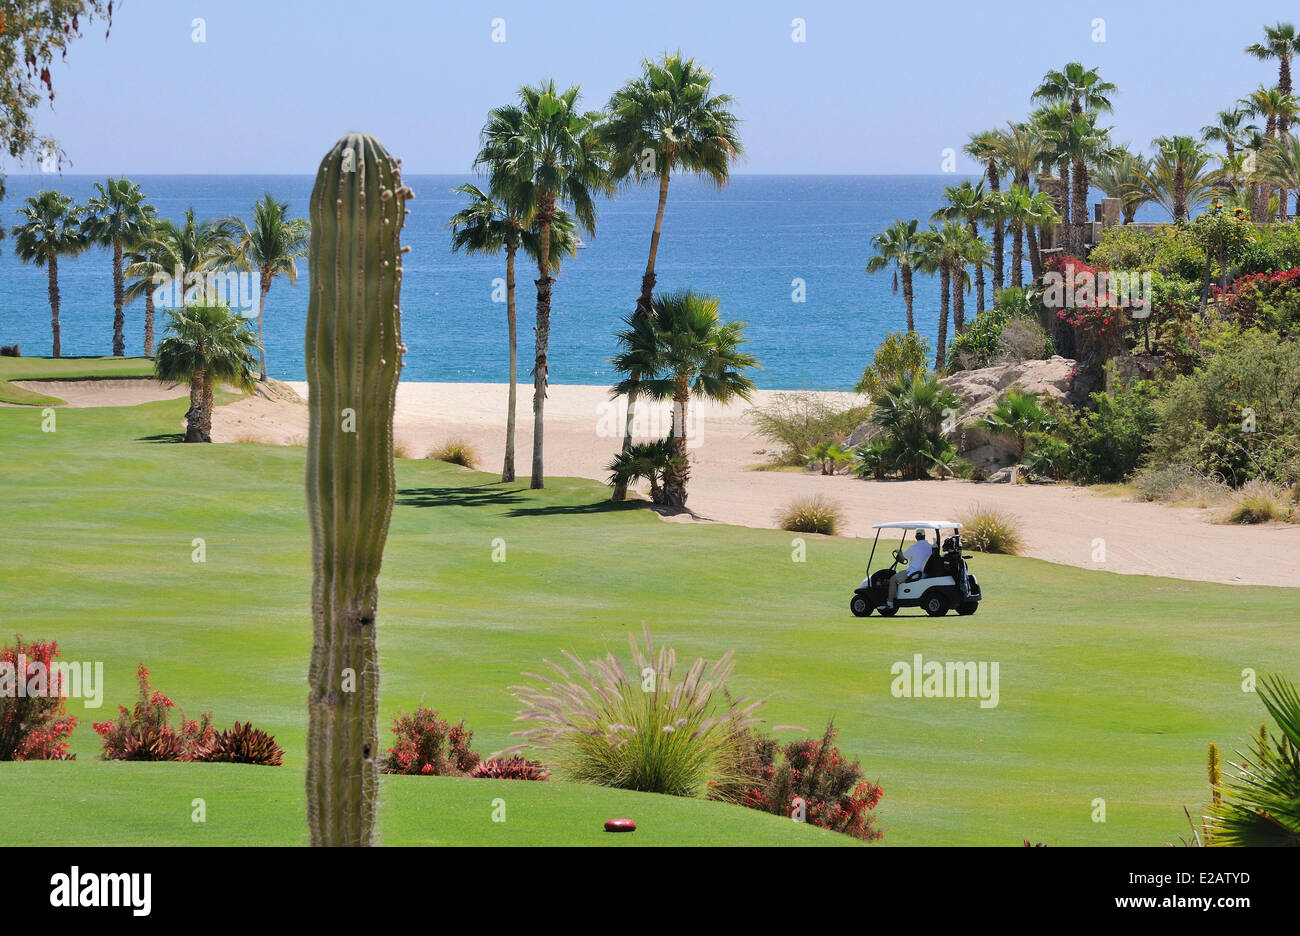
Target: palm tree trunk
(907,297)
(643,306)
(679,472)
(1283,85)
(1035,257)
(999,233)
(261,306)
(979,271)
(1180,193)
(1080,217)
(194,418)
(941,350)
(205,417)
(508,469)
(52,269)
(148,323)
(119,319)
(545,214)
(1018,257)
(959,299)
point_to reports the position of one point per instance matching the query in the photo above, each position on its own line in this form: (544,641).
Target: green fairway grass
(1111,686)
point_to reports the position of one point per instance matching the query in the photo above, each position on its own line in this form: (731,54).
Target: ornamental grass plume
(645,731)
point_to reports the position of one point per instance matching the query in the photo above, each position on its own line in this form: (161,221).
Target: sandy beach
(1061,523)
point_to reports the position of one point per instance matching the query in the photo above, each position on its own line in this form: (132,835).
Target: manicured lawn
(1110,686)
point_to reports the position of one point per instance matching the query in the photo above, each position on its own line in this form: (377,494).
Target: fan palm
(1230,129)
(1279,164)
(988,148)
(970,203)
(1261,806)
(1024,150)
(1281,42)
(946,248)
(491,225)
(118,218)
(1016,414)
(146,269)
(1177,179)
(187,251)
(51,229)
(1024,210)
(898,245)
(205,344)
(697,355)
(1120,176)
(910,415)
(545,151)
(645,461)
(666,120)
(271,246)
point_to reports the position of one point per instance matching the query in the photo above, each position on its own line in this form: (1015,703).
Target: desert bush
(145,732)
(910,417)
(402,450)
(510,768)
(1173,484)
(990,530)
(457,452)
(649,731)
(34,725)
(1257,501)
(1109,440)
(815,514)
(815,775)
(1048,456)
(429,746)
(798,420)
(10,350)
(242,744)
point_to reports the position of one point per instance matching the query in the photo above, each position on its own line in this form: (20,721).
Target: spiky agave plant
(642,731)
(353,357)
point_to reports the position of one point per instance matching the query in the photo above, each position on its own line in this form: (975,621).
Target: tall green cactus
(353,355)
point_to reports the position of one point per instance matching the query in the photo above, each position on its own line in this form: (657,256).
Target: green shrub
(901,356)
(649,731)
(1010,331)
(1048,456)
(1177,254)
(799,420)
(911,416)
(989,530)
(815,514)
(1126,248)
(457,452)
(1110,440)
(1173,484)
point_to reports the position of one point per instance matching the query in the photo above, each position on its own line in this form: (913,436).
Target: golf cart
(944,583)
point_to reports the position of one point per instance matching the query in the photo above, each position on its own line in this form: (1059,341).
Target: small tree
(206,345)
(902,355)
(1017,414)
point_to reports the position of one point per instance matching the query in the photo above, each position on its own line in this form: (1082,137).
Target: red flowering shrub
(510,768)
(1098,326)
(1266,300)
(34,724)
(813,774)
(428,745)
(145,733)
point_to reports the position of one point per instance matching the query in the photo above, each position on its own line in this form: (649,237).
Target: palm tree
(1049,123)
(1024,150)
(910,414)
(1280,42)
(1177,178)
(1120,176)
(490,225)
(205,344)
(1230,129)
(946,249)
(645,461)
(187,251)
(1279,109)
(271,246)
(664,120)
(1261,806)
(697,355)
(546,151)
(1279,164)
(1025,210)
(900,246)
(968,202)
(1085,143)
(118,218)
(146,269)
(987,147)
(52,229)
(1016,414)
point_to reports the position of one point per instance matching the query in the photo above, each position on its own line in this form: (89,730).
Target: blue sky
(875,88)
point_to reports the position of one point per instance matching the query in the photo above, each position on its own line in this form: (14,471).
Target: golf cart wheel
(936,606)
(967,607)
(860,606)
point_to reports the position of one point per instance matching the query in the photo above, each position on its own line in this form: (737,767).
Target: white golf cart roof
(919,525)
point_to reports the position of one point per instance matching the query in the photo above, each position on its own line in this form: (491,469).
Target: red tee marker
(620,825)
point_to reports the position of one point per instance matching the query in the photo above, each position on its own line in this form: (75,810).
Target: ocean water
(752,244)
